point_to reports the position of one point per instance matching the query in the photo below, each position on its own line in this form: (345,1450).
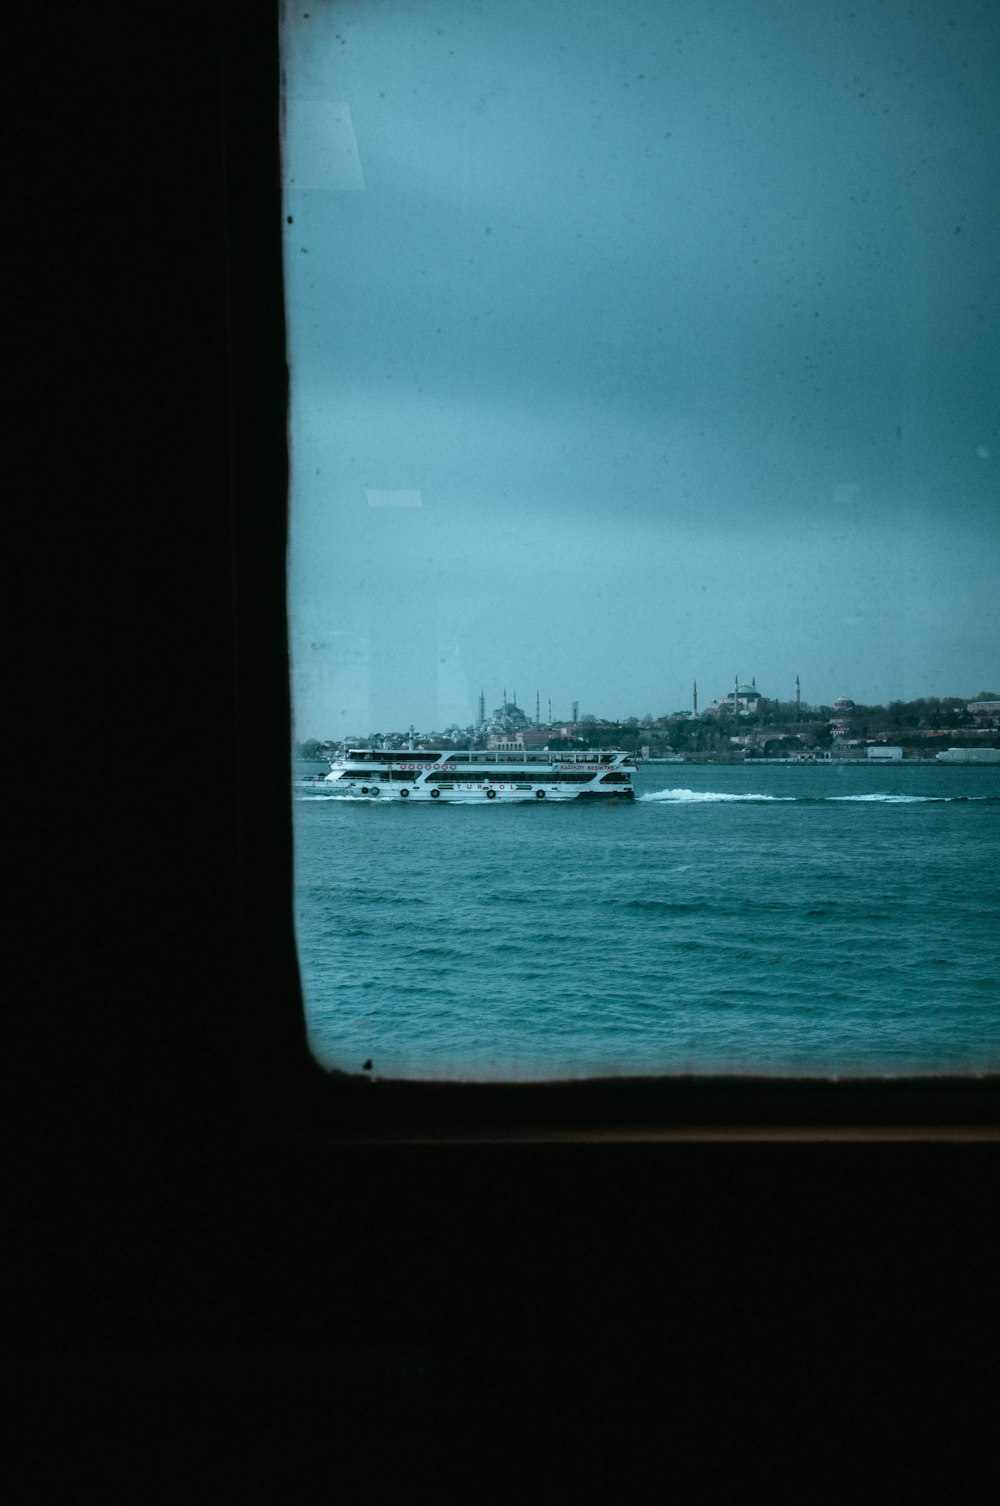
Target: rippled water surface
(730,919)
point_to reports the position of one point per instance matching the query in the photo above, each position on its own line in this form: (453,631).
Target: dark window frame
(211,1256)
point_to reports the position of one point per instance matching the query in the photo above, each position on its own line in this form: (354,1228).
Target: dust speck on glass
(643,397)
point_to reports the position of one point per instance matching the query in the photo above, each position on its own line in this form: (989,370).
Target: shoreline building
(969,755)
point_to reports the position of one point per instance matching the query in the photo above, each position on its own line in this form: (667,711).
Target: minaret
(550,711)
(576,712)
(736,696)
(798,698)
(694,700)
(538,710)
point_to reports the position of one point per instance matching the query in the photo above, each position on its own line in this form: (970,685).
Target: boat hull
(468,794)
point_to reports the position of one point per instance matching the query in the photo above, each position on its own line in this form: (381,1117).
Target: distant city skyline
(706,710)
(632,345)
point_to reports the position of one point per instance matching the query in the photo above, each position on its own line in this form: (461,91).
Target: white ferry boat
(477,775)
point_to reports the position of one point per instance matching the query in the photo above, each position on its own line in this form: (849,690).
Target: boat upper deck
(491,757)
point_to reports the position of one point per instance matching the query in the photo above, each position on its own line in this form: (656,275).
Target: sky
(635,342)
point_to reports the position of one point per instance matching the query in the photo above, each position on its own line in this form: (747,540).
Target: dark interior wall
(204,1256)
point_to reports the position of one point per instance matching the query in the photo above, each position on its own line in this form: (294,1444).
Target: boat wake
(342,796)
(706,797)
(709,797)
(891,799)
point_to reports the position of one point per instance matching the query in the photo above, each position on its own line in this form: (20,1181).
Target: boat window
(637,359)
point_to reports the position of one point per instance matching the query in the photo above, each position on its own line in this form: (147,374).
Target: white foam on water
(704,797)
(886,799)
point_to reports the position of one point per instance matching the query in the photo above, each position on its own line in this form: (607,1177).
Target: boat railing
(479,757)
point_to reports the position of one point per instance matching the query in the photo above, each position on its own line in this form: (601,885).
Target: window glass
(662,334)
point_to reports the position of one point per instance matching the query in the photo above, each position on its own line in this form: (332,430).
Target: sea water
(812,919)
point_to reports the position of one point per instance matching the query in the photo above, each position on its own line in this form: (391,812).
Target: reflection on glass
(642,359)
